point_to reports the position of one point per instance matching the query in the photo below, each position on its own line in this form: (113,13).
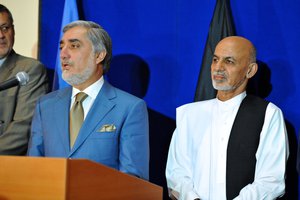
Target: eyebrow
(230,57)
(70,40)
(225,58)
(5,24)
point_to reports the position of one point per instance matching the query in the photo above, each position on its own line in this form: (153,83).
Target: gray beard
(223,88)
(227,87)
(77,79)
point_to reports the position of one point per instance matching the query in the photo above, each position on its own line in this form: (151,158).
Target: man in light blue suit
(114,130)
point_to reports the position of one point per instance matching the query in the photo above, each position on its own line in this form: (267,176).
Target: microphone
(21,78)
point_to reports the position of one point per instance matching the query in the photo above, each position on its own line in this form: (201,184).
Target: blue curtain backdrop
(70,13)
(167,39)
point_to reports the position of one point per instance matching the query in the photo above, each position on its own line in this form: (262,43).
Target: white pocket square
(107,128)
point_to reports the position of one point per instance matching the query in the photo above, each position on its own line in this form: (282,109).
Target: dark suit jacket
(114,132)
(17,103)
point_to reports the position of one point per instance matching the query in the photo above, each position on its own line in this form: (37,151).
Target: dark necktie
(76,117)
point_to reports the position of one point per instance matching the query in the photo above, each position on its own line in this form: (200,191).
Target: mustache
(66,62)
(220,73)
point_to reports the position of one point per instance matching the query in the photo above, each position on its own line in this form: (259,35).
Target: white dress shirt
(2,61)
(196,166)
(92,92)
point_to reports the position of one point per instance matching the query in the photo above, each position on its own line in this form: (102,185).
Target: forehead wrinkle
(69,40)
(224,57)
(237,46)
(73,40)
(5,18)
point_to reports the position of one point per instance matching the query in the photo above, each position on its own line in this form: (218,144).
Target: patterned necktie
(76,117)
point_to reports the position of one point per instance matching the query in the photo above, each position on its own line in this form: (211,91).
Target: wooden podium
(34,178)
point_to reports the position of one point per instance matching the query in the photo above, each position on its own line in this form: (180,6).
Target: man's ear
(252,69)
(100,56)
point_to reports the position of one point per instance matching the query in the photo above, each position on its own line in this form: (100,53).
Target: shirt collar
(92,91)
(2,61)
(231,103)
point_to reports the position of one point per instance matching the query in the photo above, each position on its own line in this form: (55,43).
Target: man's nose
(218,66)
(1,34)
(64,53)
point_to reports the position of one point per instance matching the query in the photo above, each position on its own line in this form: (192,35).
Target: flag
(70,14)
(221,26)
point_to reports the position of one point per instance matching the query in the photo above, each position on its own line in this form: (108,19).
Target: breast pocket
(103,135)
(105,131)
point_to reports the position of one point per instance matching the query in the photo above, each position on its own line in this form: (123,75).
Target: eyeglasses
(5,28)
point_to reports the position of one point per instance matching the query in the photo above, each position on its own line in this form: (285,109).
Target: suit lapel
(4,73)
(102,105)
(7,67)
(62,108)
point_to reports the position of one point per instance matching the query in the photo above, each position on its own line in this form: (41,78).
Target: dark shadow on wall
(260,85)
(161,130)
(131,73)
(50,74)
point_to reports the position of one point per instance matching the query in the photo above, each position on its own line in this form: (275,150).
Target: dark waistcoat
(243,143)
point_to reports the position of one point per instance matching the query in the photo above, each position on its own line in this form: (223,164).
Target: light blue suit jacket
(125,149)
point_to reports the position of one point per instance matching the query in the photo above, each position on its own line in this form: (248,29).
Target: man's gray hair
(99,38)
